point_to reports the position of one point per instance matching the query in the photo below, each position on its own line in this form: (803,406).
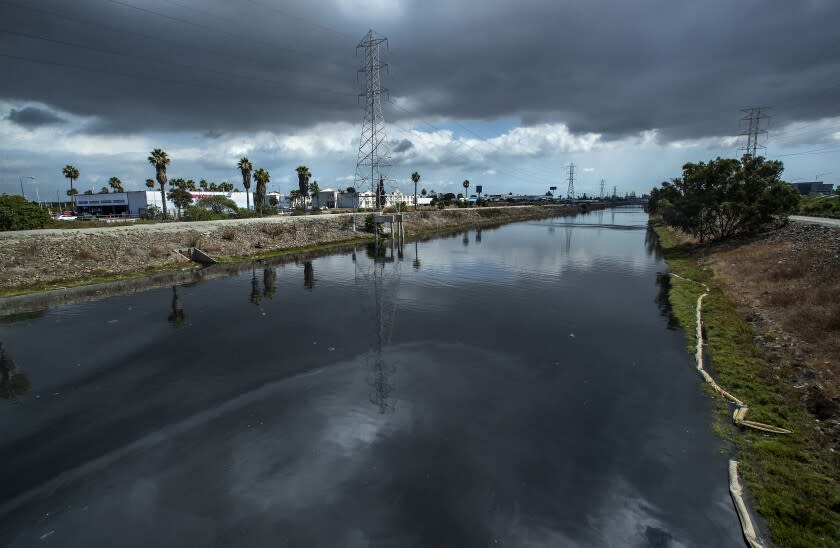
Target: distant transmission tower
(615,192)
(751,128)
(570,194)
(374,155)
(602,189)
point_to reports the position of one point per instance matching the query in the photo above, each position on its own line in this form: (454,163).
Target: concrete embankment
(46,259)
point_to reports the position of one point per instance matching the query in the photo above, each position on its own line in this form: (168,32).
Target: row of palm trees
(160,160)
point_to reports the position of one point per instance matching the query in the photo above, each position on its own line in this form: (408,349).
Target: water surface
(515,386)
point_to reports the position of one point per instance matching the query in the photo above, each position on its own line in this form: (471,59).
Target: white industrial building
(137,203)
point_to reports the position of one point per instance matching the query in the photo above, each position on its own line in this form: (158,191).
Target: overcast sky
(505,94)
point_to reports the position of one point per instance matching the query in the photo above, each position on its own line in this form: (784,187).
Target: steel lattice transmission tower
(374,155)
(570,194)
(602,189)
(753,129)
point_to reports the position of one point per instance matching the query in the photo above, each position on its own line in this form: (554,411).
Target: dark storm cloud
(402,146)
(31,117)
(604,66)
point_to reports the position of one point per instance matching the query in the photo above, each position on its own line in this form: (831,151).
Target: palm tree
(415,177)
(104,190)
(203,184)
(150,183)
(116,184)
(160,160)
(314,189)
(71,173)
(466,184)
(262,178)
(245,168)
(303,181)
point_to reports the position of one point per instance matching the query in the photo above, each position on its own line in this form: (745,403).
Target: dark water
(516,386)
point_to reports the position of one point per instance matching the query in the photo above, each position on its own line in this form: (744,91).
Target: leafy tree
(88,192)
(294,196)
(116,184)
(725,197)
(72,192)
(104,190)
(303,179)
(71,173)
(415,177)
(190,185)
(18,214)
(160,160)
(262,177)
(213,187)
(423,192)
(245,169)
(203,184)
(150,184)
(218,204)
(314,189)
(466,184)
(181,197)
(225,187)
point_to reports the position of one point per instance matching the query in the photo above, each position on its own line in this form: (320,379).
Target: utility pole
(752,131)
(570,194)
(602,189)
(374,155)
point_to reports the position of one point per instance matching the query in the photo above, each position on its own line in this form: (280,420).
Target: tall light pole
(22,193)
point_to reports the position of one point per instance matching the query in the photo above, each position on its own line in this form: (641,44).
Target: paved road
(816,220)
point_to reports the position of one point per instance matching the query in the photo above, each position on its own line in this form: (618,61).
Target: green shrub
(218,204)
(18,214)
(199,213)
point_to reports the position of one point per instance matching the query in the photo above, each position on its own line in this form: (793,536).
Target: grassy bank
(92,280)
(794,483)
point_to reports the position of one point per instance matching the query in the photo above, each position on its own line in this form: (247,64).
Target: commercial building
(811,188)
(137,203)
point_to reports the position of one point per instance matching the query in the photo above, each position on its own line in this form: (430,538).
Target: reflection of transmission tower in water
(568,228)
(381,276)
(374,155)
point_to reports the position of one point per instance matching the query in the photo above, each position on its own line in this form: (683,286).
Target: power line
(204,86)
(144,58)
(818,151)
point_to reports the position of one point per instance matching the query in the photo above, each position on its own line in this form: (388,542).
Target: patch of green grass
(91,280)
(794,481)
(820,206)
(361,239)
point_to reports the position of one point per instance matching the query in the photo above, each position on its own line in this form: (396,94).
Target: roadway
(816,220)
